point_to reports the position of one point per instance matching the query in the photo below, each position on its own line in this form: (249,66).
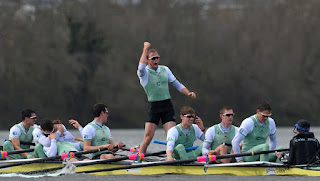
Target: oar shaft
(249,153)
(19,151)
(141,165)
(52,158)
(180,161)
(96,162)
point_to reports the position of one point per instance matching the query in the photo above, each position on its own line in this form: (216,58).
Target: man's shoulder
(248,120)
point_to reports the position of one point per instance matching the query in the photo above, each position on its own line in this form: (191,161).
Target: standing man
(96,135)
(254,131)
(20,136)
(218,137)
(184,135)
(154,78)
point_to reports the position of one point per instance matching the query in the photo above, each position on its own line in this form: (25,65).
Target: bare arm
(186,92)
(87,146)
(143,58)
(169,156)
(16,146)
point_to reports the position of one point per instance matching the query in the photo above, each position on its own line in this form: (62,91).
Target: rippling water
(133,137)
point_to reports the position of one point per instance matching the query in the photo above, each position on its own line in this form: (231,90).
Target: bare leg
(150,128)
(106,156)
(168,125)
(222,150)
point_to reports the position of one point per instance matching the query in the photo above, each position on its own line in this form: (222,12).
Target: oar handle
(6,153)
(210,158)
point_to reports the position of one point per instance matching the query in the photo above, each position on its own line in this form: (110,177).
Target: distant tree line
(61,57)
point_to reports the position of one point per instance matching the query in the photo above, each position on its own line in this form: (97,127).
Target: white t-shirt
(89,132)
(209,137)
(173,135)
(246,127)
(15,131)
(143,75)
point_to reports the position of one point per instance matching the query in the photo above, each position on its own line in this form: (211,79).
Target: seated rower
(254,132)
(218,137)
(304,147)
(96,135)
(184,135)
(20,136)
(55,139)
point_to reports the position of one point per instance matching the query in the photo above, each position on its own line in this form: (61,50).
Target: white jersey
(15,131)
(173,135)
(209,137)
(143,75)
(89,132)
(49,146)
(246,128)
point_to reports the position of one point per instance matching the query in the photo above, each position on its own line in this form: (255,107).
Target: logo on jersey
(15,133)
(241,131)
(85,137)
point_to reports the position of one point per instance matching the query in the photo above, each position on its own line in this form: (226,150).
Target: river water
(133,137)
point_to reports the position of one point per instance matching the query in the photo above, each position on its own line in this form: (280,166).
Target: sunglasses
(33,117)
(48,133)
(154,58)
(265,115)
(228,114)
(188,115)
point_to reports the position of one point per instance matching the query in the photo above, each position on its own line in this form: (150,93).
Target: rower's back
(304,149)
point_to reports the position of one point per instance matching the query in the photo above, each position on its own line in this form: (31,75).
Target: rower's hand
(53,136)
(146,45)
(199,123)
(59,127)
(75,123)
(240,161)
(211,152)
(120,145)
(192,95)
(279,154)
(108,146)
(170,159)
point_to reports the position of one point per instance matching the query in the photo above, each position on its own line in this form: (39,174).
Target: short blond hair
(186,110)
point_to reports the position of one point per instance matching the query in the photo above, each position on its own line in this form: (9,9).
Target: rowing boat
(239,169)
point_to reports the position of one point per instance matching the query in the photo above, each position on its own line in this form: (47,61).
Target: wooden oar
(6,153)
(136,157)
(175,162)
(62,156)
(165,143)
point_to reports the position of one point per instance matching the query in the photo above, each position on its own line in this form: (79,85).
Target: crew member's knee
(265,147)
(7,146)
(179,147)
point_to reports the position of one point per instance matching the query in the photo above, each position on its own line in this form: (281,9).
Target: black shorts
(161,110)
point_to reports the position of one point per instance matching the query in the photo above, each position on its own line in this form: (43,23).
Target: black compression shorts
(161,110)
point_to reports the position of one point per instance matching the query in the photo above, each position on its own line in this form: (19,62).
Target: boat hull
(198,169)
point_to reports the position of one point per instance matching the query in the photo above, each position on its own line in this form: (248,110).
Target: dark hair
(46,125)
(224,109)
(57,121)
(27,113)
(303,125)
(187,110)
(98,108)
(264,106)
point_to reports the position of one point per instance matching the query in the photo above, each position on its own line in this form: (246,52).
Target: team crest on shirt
(85,136)
(15,133)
